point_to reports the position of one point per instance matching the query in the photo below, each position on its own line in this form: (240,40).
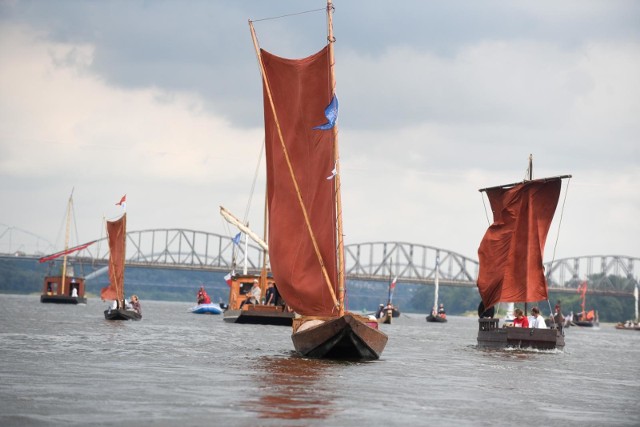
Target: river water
(66,365)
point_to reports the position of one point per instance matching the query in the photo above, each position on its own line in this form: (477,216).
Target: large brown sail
(301,90)
(511,252)
(116,232)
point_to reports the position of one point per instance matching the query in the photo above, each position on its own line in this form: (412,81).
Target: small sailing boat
(116,235)
(66,288)
(510,258)
(305,235)
(389,311)
(240,309)
(437,314)
(633,325)
(585,318)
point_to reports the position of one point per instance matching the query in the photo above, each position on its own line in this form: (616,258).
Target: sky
(162,101)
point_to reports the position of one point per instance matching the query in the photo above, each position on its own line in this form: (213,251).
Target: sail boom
(551,178)
(231,219)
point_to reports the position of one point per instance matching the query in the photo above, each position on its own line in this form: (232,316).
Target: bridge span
(373,261)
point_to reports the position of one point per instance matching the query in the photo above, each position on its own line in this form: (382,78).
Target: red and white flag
(227,279)
(393,284)
(123,202)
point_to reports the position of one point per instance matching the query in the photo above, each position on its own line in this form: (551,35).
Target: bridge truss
(374,261)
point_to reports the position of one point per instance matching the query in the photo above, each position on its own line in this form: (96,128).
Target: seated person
(538,320)
(135,304)
(441,312)
(253,296)
(521,320)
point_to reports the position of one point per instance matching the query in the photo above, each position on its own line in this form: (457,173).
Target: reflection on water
(292,388)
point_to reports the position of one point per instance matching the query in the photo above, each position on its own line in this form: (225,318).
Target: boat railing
(488,324)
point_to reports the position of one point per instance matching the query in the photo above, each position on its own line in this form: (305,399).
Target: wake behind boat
(306,247)
(522,215)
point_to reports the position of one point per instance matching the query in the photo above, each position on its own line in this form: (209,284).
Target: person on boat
(521,320)
(441,312)
(270,295)
(74,291)
(380,311)
(253,297)
(203,297)
(135,304)
(486,314)
(538,320)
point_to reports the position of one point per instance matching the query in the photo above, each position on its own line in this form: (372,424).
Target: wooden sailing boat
(117,235)
(585,318)
(633,325)
(66,288)
(306,247)
(510,258)
(387,312)
(264,312)
(437,315)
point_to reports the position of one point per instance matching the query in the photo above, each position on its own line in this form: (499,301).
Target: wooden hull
(386,319)
(491,336)
(436,319)
(628,328)
(62,299)
(260,315)
(584,323)
(121,314)
(345,338)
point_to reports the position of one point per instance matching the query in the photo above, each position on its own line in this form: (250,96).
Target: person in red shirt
(521,320)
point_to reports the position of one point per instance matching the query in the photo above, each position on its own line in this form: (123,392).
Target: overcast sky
(162,101)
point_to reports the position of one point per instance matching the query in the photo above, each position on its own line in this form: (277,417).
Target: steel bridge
(372,261)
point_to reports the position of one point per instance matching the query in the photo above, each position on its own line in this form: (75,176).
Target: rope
(555,245)
(485,209)
(288,15)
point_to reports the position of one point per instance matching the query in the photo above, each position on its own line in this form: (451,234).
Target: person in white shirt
(538,320)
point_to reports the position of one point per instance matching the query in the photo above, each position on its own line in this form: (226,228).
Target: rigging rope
(288,15)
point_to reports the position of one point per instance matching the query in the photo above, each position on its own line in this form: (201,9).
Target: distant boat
(117,234)
(633,325)
(585,318)
(66,288)
(261,312)
(387,312)
(510,259)
(306,246)
(437,314)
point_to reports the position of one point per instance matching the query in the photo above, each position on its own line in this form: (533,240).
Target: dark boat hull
(584,323)
(62,299)
(266,315)
(436,319)
(491,336)
(344,338)
(121,314)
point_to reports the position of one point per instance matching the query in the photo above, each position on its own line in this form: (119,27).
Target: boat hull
(584,323)
(259,315)
(62,299)
(207,309)
(436,319)
(121,314)
(345,338)
(491,336)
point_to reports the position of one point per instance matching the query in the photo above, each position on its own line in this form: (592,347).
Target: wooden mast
(290,167)
(336,158)
(66,244)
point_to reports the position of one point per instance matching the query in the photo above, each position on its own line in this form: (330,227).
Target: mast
(436,287)
(336,157)
(66,243)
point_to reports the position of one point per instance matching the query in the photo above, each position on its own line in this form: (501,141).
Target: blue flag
(236,239)
(331,113)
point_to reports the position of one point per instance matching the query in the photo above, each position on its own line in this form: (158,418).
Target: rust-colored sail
(301,90)
(511,252)
(116,233)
